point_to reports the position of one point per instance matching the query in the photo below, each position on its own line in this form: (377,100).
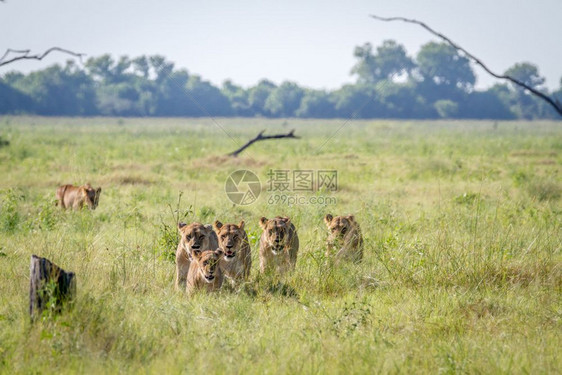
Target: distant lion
(279,245)
(344,239)
(205,271)
(233,241)
(195,236)
(70,196)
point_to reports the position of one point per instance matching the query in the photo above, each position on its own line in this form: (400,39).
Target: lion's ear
(350,217)
(263,222)
(287,219)
(241,225)
(219,253)
(98,191)
(217,225)
(196,254)
(181,225)
(328,219)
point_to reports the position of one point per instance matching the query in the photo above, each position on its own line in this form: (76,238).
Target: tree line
(437,83)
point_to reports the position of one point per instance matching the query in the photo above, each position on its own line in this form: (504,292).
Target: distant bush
(4,142)
(544,189)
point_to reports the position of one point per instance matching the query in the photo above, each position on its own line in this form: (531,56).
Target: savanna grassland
(463,247)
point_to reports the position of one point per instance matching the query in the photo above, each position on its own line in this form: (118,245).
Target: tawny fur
(344,240)
(205,271)
(279,245)
(70,196)
(195,236)
(237,259)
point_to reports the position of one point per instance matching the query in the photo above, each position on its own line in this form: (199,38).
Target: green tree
(284,100)
(13,101)
(258,95)
(527,73)
(57,90)
(238,97)
(524,104)
(446,108)
(316,104)
(357,101)
(441,66)
(389,61)
(208,99)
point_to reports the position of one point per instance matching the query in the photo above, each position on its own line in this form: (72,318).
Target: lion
(205,271)
(70,196)
(194,236)
(233,241)
(345,238)
(279,245)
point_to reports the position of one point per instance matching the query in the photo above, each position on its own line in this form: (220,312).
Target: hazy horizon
(308,43)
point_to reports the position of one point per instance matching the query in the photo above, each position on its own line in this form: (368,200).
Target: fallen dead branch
(261,137)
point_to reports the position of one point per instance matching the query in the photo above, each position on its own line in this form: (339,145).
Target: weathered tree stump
(49,286)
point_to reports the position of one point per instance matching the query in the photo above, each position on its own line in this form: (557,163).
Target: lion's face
(338,226)
(195,237)
(231,238)
(208,263)
(93,196)
(276,233)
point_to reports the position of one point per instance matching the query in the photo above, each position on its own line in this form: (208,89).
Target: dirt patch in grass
(126,179)
(225,160)
(533,153)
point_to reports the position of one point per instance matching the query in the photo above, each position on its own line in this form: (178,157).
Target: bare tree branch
(25,55)
(261,137)
(553,102)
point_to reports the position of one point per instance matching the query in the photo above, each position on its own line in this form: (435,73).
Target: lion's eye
(343,230)
(201,238)
(188,237)
(235,236)
(205,263)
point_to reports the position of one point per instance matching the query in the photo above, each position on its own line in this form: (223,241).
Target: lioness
(345,238)
(279,245)
(233,241)
(195,236)
(70,196)
(205,272)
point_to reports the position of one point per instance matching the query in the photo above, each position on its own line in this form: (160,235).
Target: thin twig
(25,55)
(553,102)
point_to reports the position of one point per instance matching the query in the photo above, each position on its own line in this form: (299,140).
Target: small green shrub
(10,217)
(467,198)
(544,189)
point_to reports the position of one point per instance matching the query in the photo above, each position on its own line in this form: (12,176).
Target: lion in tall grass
(233,241)
(70,196)
(344,240)
(193,237)
(279,245)
(205,271)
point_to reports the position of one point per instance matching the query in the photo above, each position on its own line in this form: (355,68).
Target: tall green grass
(462,269)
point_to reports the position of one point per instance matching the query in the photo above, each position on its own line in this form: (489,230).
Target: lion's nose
(195,246)
(229,246)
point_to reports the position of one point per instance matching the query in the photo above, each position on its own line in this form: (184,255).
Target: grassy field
(463,247)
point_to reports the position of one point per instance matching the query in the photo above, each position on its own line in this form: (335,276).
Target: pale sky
(308,42)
